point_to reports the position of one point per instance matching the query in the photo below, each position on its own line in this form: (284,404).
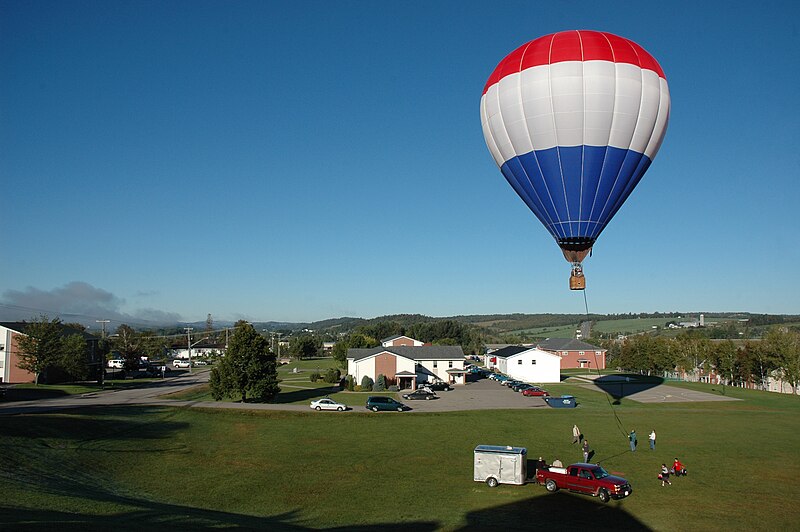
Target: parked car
(522,387)
(436,386)
(511,383)
(535,391)
(200,363)
(117,363)
(178,363)
(327,403)
(379,402)
(156,370)
(420,394)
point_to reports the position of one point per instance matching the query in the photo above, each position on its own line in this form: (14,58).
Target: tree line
(753,361)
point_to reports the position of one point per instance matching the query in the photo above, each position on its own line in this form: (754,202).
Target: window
(581,353)
(533,361)
(434,364)
(450,364)
(564,353)
(519,362)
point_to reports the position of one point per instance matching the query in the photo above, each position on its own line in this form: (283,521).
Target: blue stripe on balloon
(575,191)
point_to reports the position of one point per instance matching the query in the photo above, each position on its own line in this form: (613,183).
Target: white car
(200,363)
(180,364)
(116,363)
(327,404)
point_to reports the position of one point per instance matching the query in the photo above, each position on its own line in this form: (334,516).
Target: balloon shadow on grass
(621,385)
(554,511)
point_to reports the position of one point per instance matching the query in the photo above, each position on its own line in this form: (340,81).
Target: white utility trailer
(500,464)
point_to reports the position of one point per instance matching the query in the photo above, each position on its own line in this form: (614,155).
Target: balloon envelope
(573,120)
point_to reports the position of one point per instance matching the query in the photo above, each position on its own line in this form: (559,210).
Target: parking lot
(483,394)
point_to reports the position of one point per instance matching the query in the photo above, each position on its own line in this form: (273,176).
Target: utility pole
(101,362)
(189,344)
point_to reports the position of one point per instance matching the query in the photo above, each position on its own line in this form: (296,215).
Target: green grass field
(160,468)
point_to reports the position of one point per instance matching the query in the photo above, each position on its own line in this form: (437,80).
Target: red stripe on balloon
(577,45)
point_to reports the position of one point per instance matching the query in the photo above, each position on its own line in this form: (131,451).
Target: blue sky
(304,160)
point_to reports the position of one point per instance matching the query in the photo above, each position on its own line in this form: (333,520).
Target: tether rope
(599,375)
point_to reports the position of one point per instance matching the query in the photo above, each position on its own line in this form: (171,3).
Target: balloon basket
(577,281)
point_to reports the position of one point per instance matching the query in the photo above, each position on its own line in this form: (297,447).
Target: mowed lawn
(160,467)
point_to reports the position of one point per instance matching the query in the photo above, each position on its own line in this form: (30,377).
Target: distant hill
(499,328)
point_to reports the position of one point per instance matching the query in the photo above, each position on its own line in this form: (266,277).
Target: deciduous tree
(129,345)
(44,346)
(40,347)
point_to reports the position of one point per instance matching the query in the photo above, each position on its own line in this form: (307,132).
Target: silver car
(327,403)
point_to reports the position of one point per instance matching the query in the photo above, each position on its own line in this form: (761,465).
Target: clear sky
(302,160)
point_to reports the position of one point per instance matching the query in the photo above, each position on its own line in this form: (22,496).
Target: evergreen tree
(248,367)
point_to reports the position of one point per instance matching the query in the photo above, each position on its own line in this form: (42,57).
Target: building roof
(513,350)
(566,344)
(396,336)
(427,352)
(509,351)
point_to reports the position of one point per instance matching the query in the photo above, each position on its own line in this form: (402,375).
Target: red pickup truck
(590,479)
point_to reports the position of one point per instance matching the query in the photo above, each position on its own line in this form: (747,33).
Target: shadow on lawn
(304,394)
(557,511)
(14,393)
(158,516)
(619,386)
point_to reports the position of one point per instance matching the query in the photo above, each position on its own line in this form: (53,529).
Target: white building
(528,364)
(406,366)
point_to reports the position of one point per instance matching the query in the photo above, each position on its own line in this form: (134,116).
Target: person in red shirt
(678,468)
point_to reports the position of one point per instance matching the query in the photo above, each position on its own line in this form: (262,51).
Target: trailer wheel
(491,482)
(604,496)
(551,485)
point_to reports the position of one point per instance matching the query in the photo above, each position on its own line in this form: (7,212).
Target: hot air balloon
(573,120)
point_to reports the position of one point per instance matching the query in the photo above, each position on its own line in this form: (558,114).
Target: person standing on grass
(585,451)
(664,475)
(632,439)
(576,434)
(653,440)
